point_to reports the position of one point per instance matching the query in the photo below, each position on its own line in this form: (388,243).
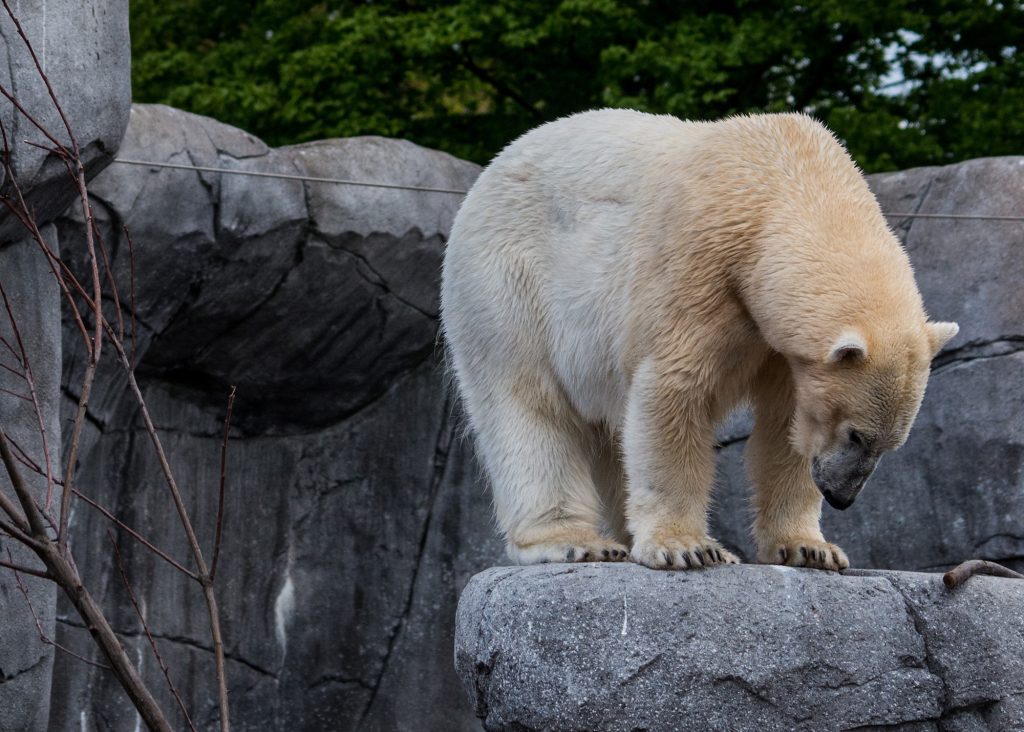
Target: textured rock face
(81,44)
(956,489)
(25,663)
(620,647)
(353,511)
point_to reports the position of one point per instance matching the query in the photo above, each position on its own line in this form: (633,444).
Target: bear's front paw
(688,552)
(815,553)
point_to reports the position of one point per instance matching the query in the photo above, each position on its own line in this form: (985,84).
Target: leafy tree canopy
(903,83)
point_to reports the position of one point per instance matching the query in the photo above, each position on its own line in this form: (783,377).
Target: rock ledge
(620,647)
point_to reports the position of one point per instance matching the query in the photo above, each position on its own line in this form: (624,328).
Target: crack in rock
(978,350)
(6,677)
(179,640)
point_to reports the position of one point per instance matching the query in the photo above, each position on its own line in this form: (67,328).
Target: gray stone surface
(25,663)
(82,46)
(956,489)
(354,512)
(621,647)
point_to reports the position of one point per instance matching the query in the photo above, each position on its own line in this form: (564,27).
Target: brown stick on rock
(959,574)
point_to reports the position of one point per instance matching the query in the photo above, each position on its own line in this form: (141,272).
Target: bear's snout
(841,474)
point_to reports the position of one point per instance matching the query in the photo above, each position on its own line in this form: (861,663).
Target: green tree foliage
(903,83)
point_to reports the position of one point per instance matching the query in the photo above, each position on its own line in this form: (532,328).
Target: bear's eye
(857,438)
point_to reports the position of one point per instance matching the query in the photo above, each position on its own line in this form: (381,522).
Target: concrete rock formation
(621,647)
(353,512)
(81,44)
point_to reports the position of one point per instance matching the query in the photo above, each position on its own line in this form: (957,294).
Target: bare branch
(137,536)
(15,532)
(94,357)
(49,87)
(15,394)
(220,493)
(31,383)
(43,638)
(28,505)
(960,573)
(131,280)
(41,573)
(186,524)
(145,628)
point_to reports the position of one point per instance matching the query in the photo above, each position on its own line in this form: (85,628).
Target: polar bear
(616,283)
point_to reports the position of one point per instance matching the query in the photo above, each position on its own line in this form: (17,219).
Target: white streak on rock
(284,607)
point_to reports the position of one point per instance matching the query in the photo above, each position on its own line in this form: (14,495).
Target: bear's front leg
(669,459)
(788,523)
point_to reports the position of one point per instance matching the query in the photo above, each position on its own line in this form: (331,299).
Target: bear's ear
(850,346)
(939,334)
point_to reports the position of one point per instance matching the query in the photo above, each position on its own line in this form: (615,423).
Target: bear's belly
(588,316)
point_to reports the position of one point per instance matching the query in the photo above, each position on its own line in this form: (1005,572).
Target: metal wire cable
(288,176)
(459,192)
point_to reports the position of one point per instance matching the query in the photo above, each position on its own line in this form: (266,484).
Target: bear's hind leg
(537,454)
(787,527)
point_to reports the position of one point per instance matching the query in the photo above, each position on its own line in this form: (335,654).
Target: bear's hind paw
(596,550)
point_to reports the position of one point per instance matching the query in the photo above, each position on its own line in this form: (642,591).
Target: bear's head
(857,401)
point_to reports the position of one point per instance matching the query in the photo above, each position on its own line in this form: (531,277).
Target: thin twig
(15,532)
(960,573)
(28,505)
(220,493)
(109,272)
(43,638)
(65,574)
(46,81)
(15,394)
(145,628)
(137,536)
(13,370)
(131,287)
(90,369)
(186,524)
(31,383)
(41,573)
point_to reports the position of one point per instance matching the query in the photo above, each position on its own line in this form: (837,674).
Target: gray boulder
(621,647)
(956,489)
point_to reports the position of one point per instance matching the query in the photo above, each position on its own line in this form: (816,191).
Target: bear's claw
(686,553)
(596,550)
(810,553)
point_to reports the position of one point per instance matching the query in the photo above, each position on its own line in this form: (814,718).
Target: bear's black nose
(836,502)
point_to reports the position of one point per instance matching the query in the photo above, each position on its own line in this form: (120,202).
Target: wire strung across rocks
(460,192)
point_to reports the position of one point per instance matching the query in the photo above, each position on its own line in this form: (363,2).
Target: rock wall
(355,513)
(79,44)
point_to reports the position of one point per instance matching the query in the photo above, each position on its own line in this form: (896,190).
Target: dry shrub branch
(32,521)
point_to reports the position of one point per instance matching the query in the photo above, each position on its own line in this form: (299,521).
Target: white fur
(616,282)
